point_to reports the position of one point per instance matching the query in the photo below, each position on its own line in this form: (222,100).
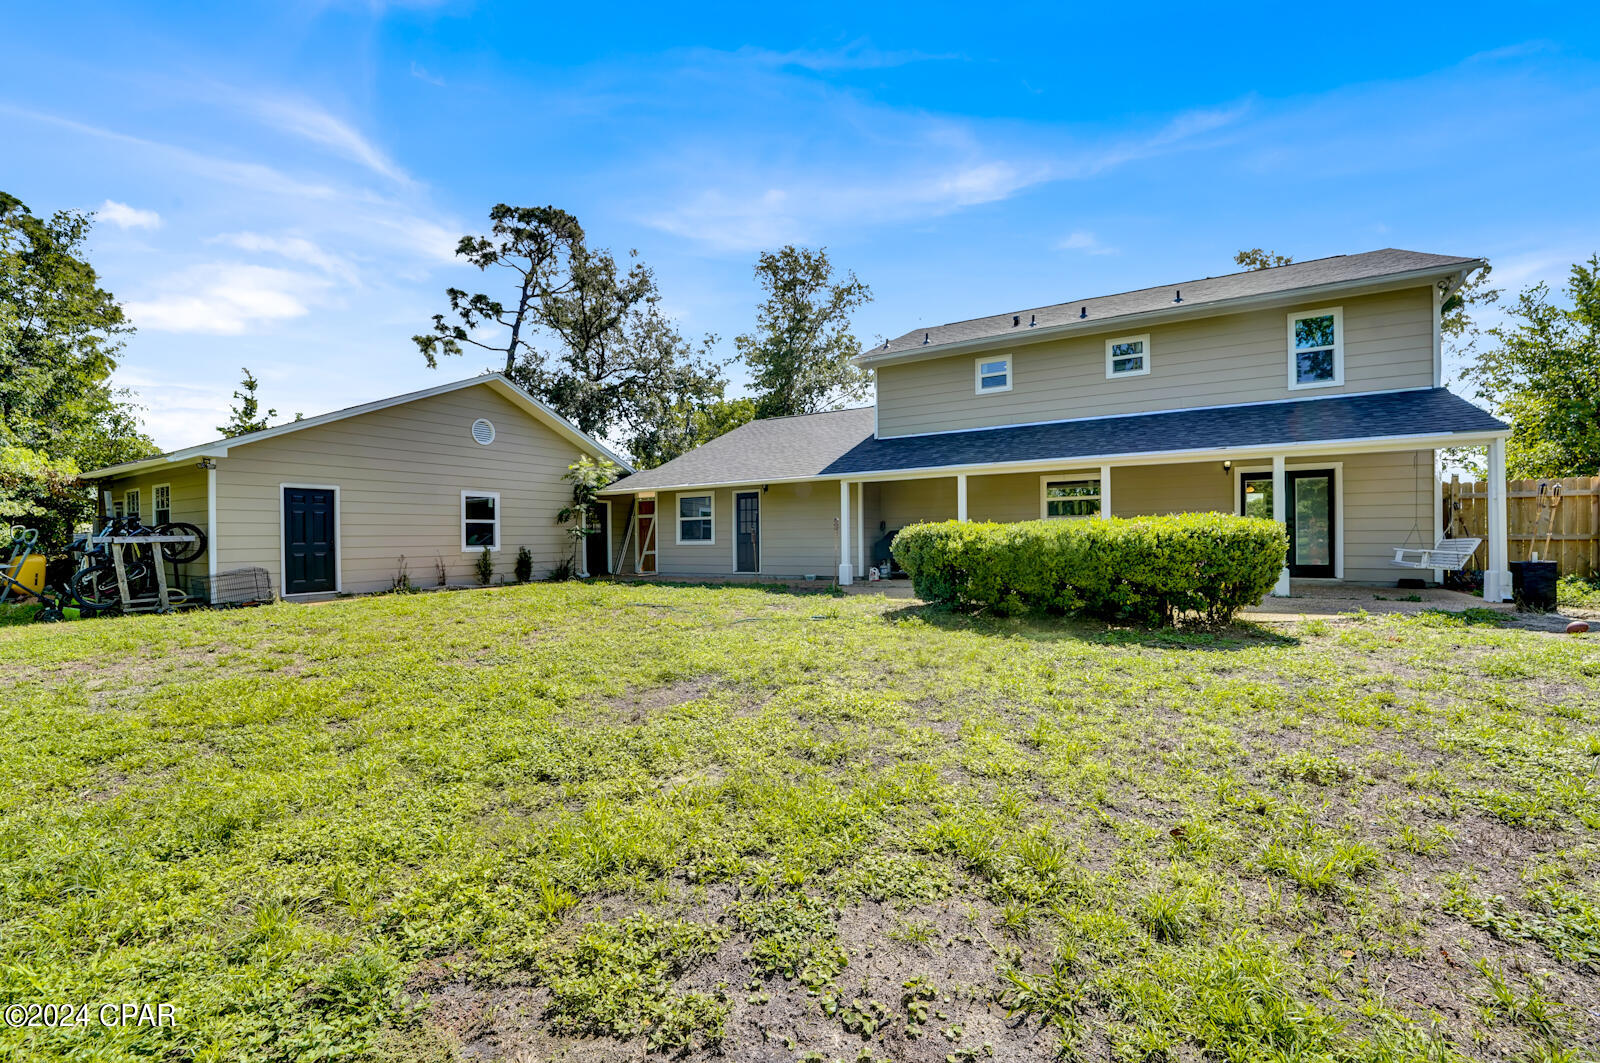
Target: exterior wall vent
(483,431)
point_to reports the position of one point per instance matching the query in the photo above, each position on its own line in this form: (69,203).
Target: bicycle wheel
(96,588)
(182,552)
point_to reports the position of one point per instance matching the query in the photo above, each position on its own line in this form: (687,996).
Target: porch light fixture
(1227,467)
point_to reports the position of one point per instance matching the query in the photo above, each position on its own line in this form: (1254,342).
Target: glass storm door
(1310,513)
(747,530)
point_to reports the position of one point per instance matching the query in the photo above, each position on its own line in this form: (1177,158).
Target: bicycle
(95,584)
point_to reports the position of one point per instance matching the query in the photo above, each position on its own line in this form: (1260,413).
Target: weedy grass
(1366,839)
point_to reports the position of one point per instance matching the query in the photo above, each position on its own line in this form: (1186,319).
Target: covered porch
(1346,508)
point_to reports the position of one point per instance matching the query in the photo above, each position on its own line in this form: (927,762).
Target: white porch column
(1497,580)
(846,570)
(961,496)
(861,527)
(1280,509)
(1105,492)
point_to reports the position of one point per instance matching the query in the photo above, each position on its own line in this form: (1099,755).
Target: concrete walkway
(1312,599)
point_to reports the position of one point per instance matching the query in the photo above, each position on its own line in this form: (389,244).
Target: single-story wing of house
(332,504)
(1310,393)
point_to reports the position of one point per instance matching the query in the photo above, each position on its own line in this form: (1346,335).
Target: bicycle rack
(163,602)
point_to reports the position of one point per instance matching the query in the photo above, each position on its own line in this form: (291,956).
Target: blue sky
(281,186)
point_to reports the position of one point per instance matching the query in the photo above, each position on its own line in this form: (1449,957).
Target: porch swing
(1449,554)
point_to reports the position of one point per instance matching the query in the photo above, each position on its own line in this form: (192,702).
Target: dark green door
(308,540)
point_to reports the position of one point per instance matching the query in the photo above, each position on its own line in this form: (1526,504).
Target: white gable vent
(483,431)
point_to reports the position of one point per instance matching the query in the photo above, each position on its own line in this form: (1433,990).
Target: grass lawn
(592,822)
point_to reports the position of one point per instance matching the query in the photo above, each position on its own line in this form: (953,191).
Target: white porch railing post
(1497,580)
(1280,509)
(846,570)
(861,527)
(961,496)
(1105,492)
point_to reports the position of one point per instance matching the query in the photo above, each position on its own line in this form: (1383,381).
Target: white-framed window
(1316,348)
(991,374)
(130,502)
(696,519)
(1069,495)
(480,520)
(161,504)
(1128,356)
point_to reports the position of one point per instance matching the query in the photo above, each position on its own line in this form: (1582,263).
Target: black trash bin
(1533,585)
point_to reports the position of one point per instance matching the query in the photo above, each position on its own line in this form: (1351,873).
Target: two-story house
(1310,393)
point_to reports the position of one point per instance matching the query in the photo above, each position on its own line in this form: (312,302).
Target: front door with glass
(1310,516)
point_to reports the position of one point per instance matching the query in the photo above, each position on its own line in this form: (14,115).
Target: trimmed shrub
(1145,569)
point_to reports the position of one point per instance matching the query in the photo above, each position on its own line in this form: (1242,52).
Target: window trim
(1144,338)
(678,518)
(155,508)
(1080,474)
(978,374)
(475,493)
(132,494)
(1337,313)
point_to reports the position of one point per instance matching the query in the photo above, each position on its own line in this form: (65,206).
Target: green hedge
(1145,569)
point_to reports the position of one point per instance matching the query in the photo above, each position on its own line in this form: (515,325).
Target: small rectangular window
(161,504)
(480,520)
(695,518)
(1069,497)
(1316,348)
(130,503)
(1128,356)
(992,375)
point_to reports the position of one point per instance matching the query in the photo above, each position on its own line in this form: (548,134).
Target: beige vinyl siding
(401,472)
(797,533)
(1388,344)
(188,483)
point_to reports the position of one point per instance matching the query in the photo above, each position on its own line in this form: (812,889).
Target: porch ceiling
(842,445)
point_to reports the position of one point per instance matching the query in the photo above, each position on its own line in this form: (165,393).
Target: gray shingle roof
(841,444)
(1370,265)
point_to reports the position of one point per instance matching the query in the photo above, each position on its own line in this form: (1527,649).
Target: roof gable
(497,381)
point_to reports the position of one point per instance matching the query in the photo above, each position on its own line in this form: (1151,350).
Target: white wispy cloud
(295,249)
(125,217)
(1088,243)
(420,72)
(934,166)
(858,54)
(227,298)
(305,119)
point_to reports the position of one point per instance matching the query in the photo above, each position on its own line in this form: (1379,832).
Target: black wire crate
(238,586)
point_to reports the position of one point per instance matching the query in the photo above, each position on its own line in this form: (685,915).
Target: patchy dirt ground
(588,822)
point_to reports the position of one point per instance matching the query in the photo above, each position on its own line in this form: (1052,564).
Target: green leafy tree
(61,334)
(532,245)
(37,491)
(247,416)
(587,476)
(800,351)
(583,335)
(687,420)
(1540,370)
(1256,258)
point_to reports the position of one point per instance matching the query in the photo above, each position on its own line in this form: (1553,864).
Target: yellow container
(32,574)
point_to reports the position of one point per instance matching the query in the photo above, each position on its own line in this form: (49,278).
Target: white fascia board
(1424,441)
(499,381)
(1139,321)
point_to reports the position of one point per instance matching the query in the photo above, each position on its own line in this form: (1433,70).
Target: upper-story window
(992,374)
(1316,348)
(1128,356)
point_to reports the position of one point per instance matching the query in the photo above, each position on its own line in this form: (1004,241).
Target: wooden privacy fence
(1558,519)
